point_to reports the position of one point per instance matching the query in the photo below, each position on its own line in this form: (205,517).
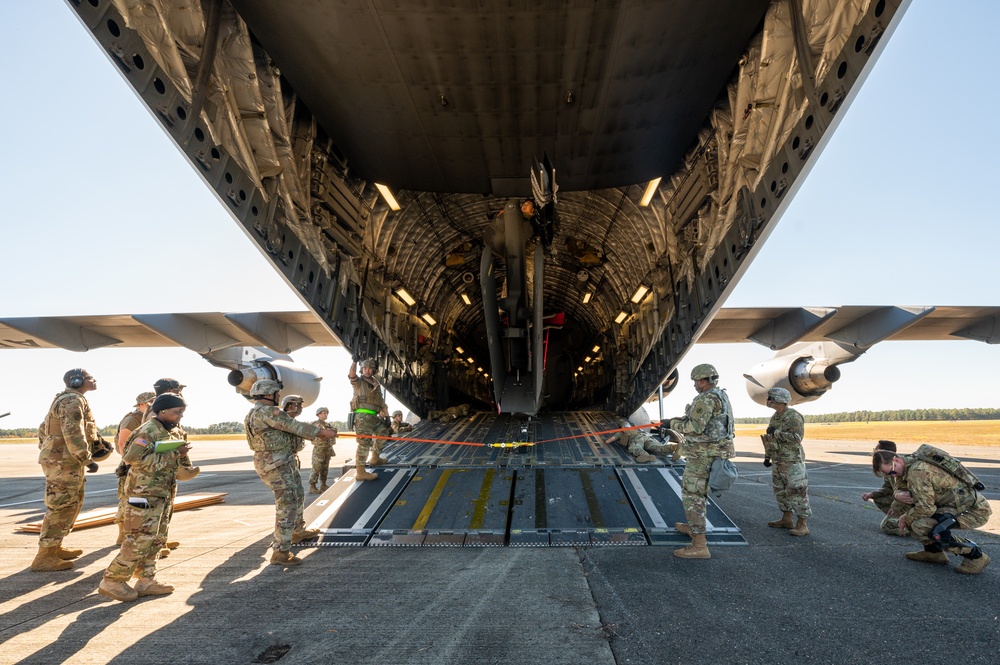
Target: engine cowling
(296,380)
(805,377)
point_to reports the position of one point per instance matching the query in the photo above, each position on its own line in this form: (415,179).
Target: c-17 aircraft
(380,157)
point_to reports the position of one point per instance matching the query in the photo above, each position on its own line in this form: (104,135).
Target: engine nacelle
(805,377)
(296,380)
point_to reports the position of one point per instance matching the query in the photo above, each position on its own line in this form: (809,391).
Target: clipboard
(167,445)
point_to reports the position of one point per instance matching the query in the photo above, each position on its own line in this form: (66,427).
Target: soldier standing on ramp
(708,430)
(783,453)
(369,409)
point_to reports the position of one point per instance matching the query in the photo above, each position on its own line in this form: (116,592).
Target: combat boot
(117,590)
(784,523)
(801,529)
(121,533)
(324,487)
(683,528)
(930,554)
(645,458)
(304,534)
(148,586)
(313,489)
(698,549)
(65,554)
(284,559)
(47,560)
(173,544)
(974,566)
(362,474)
(378,460)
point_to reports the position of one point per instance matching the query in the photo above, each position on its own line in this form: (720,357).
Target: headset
(78,378)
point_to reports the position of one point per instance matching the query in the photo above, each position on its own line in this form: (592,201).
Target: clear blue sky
(102,215)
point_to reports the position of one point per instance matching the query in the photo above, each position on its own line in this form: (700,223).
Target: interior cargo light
(580,368)
(387,195)
(647,196)
(406,297)
(479,369)
(597,347)
(466,300)
(459,350)
(621,317)
(586,297)
(640,293)
(587,359)
(470,359)
(428,318)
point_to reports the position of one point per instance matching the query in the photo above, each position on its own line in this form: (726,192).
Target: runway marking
(42,500)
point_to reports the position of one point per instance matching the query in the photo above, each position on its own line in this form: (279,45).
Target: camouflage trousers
(368,424)
(322,452)
(64,481)
(145,534)
(694,490)
(791,487)
(280,473)
(973,518)
(890,523)
(640,445)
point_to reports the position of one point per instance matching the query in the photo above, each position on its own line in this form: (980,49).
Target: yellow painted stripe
(479,512)
(432,500)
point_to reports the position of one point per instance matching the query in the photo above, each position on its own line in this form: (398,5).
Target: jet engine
(296,380)
(807,371)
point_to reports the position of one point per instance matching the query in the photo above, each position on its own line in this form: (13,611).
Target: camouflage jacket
(398,428)
(934,490)
(151,473)
(709,420)
(69,428)
(367,394)
(269,429)
(786,442)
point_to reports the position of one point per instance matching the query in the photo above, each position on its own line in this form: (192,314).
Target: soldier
(641,445)
(884,497)
(708,430)
(783,453)
(940,502)
(65,451)
(322,452)
(150,487)
(129,423)
(369,409)
(271,435)
(398,426)
(292,405)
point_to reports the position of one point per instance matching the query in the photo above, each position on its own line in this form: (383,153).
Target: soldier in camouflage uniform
(936,495)
(369,411)
(129,424)
(641,445)
(397,424)
(272,435)
(783,453)
(150,487)
(708,430)
(322,452)
(292,405)
(65,451)
(884,497)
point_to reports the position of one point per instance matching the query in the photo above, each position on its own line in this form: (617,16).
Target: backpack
(941,459)
(722,476)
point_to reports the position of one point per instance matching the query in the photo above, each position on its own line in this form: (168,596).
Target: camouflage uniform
(401,428)
(638,443)
(883,499)
(936,492)
(64,454)
(131,422)
(273,437)
(322,452)
(368,397)
(151,476)
(708,434)
(788,467)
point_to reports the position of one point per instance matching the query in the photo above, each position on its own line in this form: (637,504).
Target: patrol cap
(287,399)
(397,413)
(704,371)
(322,409)
(167,401)
(779,395)
(369,362)
(168,386)
(142,398)
(265,387)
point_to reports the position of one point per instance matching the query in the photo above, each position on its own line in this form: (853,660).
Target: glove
(767,462)
(770,429)
(92,467)
(355,358)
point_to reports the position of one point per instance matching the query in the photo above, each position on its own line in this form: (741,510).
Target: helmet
(265,387)
(704,371)
(397,413)
(168,386)
(369,362)
(291,398)
(779,395)
(322,409)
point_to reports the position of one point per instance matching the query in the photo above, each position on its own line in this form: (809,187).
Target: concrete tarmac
(843,594)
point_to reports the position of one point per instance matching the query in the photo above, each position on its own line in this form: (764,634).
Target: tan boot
(173,544)
(304,534)
(121,533)
(645,458)
(698,549)
(928,555)
(284,559)
(801,529)
(68,554)
(148,586)
(784,523)
(313,489)
(164,552)
(683,528)
(47,560)
(324,487)
(378,460)
(117,590)
(973,566)
(362,474)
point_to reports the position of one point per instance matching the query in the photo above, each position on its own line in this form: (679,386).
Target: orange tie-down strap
(505,444)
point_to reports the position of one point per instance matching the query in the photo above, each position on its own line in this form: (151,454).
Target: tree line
(894,415)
